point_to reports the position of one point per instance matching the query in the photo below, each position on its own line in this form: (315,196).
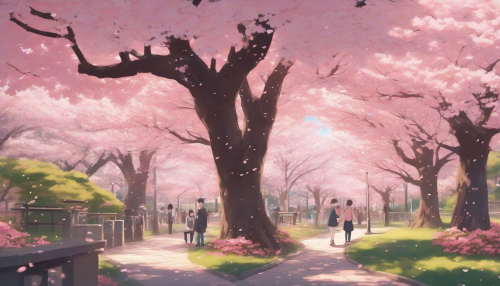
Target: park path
(162,260)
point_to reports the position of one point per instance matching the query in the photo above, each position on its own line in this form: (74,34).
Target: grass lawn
(176,227)
(409,252)
(234,264)
(106,268)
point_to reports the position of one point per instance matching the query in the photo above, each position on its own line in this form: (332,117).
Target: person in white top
(189,227)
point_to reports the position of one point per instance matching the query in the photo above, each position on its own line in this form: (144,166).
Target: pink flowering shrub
(11,238)
(473,242)
(240,246)
(105,281)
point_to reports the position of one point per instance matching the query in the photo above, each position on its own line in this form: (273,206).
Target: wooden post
(155,211)
(406,197)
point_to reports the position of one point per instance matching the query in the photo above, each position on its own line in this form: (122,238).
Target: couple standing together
(198,224)
(334,220)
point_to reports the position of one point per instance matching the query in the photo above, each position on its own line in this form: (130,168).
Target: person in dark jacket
(333,221)
(201,223)
(170,219)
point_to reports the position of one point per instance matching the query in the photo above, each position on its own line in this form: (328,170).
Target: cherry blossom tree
(450,64)
(238,150)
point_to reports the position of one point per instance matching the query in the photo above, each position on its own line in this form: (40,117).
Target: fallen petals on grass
(485,242)
(240,246)
(105,281)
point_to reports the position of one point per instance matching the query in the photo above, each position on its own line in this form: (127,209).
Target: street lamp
(155,216)
(368,222)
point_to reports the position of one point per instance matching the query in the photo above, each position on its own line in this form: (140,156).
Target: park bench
(79,261)
(287,217)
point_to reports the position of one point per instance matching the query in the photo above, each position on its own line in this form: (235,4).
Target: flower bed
(11,238)
(470,242)
(240,246)
(105,281)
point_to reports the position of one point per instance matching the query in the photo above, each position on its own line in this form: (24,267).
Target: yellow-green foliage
(451,202)
(493,165)
(51,186)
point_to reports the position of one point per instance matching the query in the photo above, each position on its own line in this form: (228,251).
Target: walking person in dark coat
(348,227)
(201,223)
(333,221)
(170,219)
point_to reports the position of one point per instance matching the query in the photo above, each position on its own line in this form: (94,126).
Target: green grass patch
(176,227)
(106,268)
(410,253)
(234,264)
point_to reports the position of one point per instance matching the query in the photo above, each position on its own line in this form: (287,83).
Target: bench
(79,261)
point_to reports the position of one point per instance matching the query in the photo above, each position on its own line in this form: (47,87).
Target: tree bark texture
(471,210)
(136,179)
(428,164)
(239,155)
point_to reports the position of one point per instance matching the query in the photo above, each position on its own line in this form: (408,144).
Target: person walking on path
(298,213)
(170,219)
(348,226)
(189,227)
(201,223)
(314,215)
(333,221)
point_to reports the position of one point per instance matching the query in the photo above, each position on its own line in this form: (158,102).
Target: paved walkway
(162,260)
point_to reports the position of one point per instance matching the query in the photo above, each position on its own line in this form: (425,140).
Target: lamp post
(113,188)
(406,197)
(155,216)
(368,225)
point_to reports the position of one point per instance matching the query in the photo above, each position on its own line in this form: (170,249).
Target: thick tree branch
(93,168)
(441,162)
(454,149)
(401,153)
(400,95)
(406,177)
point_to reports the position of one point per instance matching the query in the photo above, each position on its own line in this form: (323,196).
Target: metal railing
(26,210)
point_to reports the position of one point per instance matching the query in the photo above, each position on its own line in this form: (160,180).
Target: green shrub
(47,185)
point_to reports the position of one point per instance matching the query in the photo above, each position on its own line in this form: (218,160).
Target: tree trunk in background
(428,211)
(283,201)
(136,180)
(471,210)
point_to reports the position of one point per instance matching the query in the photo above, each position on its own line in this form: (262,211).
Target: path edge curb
(124,275)
(251,272)
(395,277)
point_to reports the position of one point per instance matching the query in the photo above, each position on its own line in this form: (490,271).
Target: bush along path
(163,259)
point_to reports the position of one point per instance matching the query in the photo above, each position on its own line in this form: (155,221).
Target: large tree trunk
(428,211)
(243,212)
(471,211)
